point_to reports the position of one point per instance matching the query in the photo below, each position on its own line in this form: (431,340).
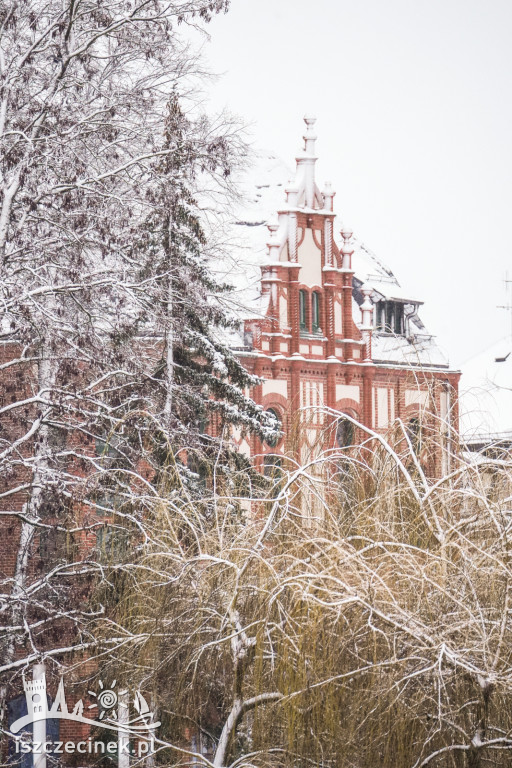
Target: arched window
(414,434)
(111,543)
(345,433)
(273,441)
(315,312)
(302,311)
(272,466)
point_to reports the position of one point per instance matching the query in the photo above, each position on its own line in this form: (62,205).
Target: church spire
(306,164)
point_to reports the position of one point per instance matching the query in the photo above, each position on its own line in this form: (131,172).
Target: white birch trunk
(169,361)
(31,509)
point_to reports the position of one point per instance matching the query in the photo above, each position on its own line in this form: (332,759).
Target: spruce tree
(201,384)
(111,358)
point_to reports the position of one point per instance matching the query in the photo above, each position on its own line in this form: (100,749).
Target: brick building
(331,332)
(333,329)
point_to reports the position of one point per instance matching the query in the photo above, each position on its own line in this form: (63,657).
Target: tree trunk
(32,511)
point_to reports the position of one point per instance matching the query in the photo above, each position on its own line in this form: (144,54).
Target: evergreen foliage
(112,358)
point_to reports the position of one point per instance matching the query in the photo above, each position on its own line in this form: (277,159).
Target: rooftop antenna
(508,307)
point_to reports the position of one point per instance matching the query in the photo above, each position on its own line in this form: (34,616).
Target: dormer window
(315,312)
(303,319)
(390,317)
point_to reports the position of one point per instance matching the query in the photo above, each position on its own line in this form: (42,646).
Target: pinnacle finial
(309,135)
(273,240)
(347,248)
(292,191)
(328,194)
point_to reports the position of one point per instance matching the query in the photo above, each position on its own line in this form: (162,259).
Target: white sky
(414,109)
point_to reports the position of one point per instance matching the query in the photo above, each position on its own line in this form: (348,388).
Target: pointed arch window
(303,311)
(345,433)
(315,312)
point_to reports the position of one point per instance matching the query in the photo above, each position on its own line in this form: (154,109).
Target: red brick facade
(313,341)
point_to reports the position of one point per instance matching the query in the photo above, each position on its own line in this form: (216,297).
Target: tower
(35,693)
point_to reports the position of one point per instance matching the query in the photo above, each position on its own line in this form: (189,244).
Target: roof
(417,350)
(264,187)
(370,269)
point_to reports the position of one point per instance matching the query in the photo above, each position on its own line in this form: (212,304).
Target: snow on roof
(263,194)
(370,269)
(420,349)
(264,190)
(486,394)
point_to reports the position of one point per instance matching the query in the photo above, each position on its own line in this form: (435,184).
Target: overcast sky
(413,101)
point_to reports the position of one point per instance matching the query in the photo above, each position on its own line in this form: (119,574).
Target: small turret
(347,249)
(367,319)
(273,243)
(292,192)
(328,194)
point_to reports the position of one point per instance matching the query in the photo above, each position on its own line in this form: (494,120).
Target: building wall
(319,391)
(317,372)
